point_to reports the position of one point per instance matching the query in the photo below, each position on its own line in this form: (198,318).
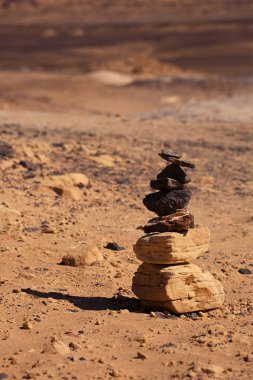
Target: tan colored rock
(178,288)
(86,256)
(60,346)
(69,185)
(172,247)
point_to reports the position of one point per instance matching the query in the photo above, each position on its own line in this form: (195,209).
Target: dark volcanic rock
(6,150)
(166,203)
(179,221)
(244,271)
(114,247)
(175,172)
(166,184)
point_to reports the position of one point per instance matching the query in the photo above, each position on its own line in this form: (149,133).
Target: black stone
(114,247)
(166,203)
(166,184)
(244,271)
(175,172)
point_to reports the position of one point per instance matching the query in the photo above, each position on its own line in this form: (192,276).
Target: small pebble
(27,325)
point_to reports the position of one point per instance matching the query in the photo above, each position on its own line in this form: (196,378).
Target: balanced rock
(181,220)
(165,154)
(178,288)
(167,202)
(165,184)
(172,247)
(174,171)
(173,157)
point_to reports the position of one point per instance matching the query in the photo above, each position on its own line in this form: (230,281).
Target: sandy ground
(102,101)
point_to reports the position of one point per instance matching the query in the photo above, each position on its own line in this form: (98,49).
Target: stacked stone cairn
(167,279)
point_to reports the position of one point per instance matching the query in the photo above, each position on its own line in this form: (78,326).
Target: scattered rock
(114,247)
(244,271)
(175,172)
(172,247)
(29,165)
(75,346)
(69,185)
(166,184)
(60,346)
(86,256)
(249,358)
(179,221)
(140,355)
(27,325)
(165,203)
(6,150)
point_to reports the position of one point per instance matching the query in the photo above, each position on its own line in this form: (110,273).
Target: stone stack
(167,279)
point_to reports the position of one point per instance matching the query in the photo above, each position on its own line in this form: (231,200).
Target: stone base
(178,288)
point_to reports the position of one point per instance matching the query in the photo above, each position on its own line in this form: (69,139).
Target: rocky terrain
(86,104)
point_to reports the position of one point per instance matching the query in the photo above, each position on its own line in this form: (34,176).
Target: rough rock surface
(166,184)
(179,221)
(87,256)
(165,203)
(174,171)
(179,289)
(172,247)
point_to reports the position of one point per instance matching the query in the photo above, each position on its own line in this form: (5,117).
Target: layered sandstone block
(178,288)
(172,247)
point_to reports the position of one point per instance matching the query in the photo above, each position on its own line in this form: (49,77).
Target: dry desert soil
(98,88)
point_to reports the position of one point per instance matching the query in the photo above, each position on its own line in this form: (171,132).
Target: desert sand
(90,93)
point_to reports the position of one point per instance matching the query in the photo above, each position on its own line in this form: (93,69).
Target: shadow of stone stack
(167,279)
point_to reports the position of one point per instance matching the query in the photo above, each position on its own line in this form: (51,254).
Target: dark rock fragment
(179,221)
(175,172)
(29,165)
(166,184)
(244,271)
(165,154)
(176,161)
(6,150)
(114,247)
(166,203)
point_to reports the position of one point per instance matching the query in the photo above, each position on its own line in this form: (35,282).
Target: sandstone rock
(27,325)
(175,172)
(69,185)
(165,184)
(178,288)
(165,203)
(85,256)
(179,221)
(60,346)
(172,247)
